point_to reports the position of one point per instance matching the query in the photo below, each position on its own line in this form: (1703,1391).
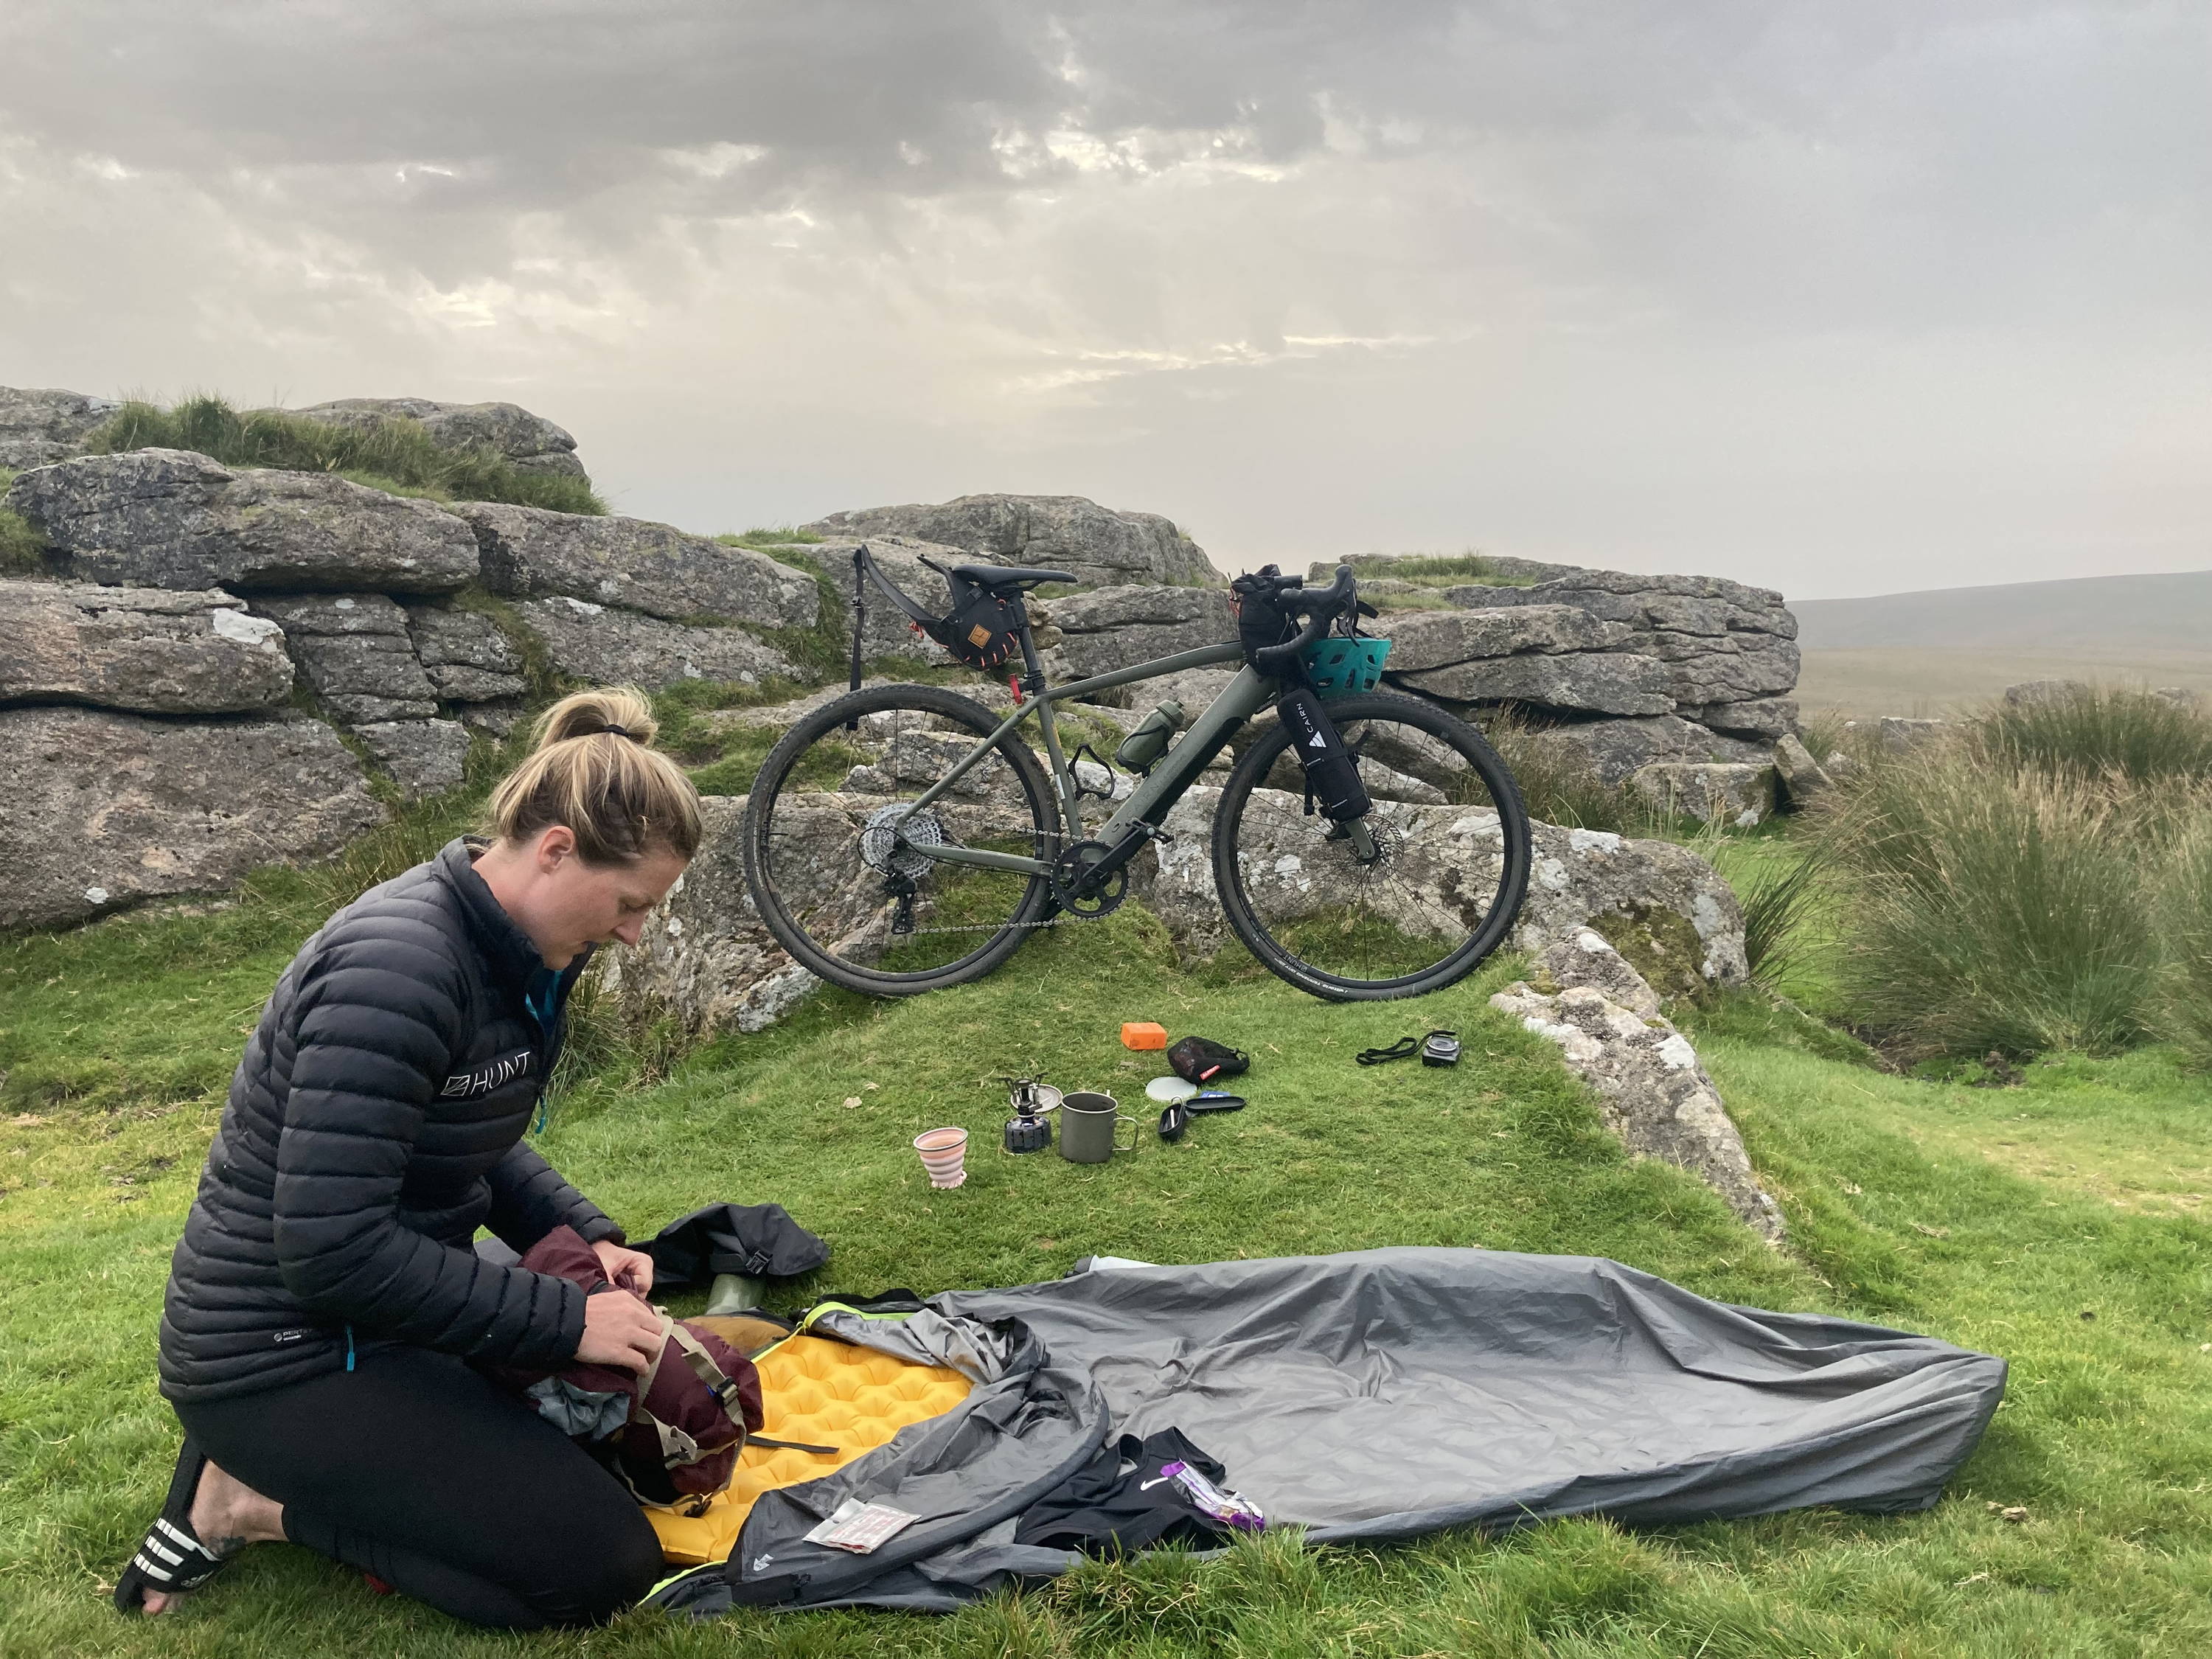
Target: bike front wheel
(840,864)
(1444,884)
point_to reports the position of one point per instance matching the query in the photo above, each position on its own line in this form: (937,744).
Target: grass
(2056,1220)
(21,551)
(1910,1202)
(2099,733)
(396,454)
(1436,570)
(2181,1008)
(2022,884)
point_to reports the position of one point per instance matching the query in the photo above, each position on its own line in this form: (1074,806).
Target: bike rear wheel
(841,872)
(1453,852)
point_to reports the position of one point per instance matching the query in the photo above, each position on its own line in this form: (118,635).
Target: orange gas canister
(1143,1034)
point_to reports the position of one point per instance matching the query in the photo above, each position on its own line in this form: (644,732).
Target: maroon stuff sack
(689,1416)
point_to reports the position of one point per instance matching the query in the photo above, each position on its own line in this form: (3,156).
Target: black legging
(413,1468)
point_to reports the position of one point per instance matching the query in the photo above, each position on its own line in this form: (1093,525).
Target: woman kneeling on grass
(325,1305)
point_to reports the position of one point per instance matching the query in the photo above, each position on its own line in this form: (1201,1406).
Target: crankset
(1089,882)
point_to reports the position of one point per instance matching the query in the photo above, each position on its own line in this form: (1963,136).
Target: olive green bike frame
(1242,698)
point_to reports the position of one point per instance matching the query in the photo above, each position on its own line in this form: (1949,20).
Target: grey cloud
(1714,259)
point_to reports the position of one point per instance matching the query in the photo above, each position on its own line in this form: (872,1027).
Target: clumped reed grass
(2182,1010)
(2036,879)
(395,453)
(1993,913)
(1780,898)
(2096,732)
(20,550)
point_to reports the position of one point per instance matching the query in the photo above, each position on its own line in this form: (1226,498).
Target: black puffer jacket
(376,1122)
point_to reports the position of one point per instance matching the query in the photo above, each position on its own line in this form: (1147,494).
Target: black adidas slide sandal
(171,1560)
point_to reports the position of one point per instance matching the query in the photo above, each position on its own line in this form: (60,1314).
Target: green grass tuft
(21,551)
(2183,1009)
(1993,911)
(396,454)
(768,538)
(2096,732)
(1437,570)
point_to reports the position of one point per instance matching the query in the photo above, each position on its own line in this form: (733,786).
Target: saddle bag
(980,629)
(1331,774)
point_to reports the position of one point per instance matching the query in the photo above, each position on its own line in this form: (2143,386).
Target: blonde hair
(594,769)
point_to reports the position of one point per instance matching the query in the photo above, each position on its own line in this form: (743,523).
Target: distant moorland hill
(1925,652)
(2106,613)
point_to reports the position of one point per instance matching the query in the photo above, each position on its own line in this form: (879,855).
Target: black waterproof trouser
(452,1490)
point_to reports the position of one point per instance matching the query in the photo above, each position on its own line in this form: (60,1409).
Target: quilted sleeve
(375,1031)
(529,1200)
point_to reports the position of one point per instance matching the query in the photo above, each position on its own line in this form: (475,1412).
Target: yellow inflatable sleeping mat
(823,1393)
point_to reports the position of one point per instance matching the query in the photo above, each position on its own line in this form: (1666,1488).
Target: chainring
(1070,867)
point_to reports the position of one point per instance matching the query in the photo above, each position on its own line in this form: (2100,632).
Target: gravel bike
(904,838)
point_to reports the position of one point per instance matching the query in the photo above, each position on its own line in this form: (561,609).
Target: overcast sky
(1842,298)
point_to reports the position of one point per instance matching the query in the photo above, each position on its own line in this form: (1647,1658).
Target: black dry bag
(1332,776)
(1262,621)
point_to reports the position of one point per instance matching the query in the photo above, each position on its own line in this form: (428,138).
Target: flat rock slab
(636,565)
(1615,749)
(464,655)
(1596,683)
(1096,544)
(529,442)
(1665,908)
(601,646)
(424,757)
(131,807)
(168,517)
(1754,717)
(1436,639)
(355,653)
(139,648)
(1804,779)
(1113,628)
(1739,795)
(39,425)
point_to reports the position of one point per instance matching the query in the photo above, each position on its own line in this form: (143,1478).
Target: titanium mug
(1086,1128)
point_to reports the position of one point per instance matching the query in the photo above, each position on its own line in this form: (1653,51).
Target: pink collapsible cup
(942,1151)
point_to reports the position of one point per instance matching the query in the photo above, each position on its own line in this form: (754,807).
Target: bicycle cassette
(889,846)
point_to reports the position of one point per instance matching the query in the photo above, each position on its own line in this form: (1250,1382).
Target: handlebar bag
(1263,621)
(1331,774)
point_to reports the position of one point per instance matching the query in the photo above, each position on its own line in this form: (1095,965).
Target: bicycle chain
(1056,837)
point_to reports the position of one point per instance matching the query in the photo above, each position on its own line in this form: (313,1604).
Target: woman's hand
(620,1330)
(631,1269)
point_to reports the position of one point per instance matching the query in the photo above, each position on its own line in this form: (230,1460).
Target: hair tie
(617,731)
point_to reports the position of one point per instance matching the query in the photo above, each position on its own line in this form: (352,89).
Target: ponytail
(594,770)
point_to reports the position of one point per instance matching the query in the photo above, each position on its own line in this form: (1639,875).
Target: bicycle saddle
(1008,575)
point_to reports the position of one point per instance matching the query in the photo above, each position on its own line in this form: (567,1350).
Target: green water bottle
(1141,750)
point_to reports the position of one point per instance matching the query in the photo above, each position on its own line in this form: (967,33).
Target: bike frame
(1156,796)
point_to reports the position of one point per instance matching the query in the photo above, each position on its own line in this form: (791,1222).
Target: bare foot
(227,1515)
